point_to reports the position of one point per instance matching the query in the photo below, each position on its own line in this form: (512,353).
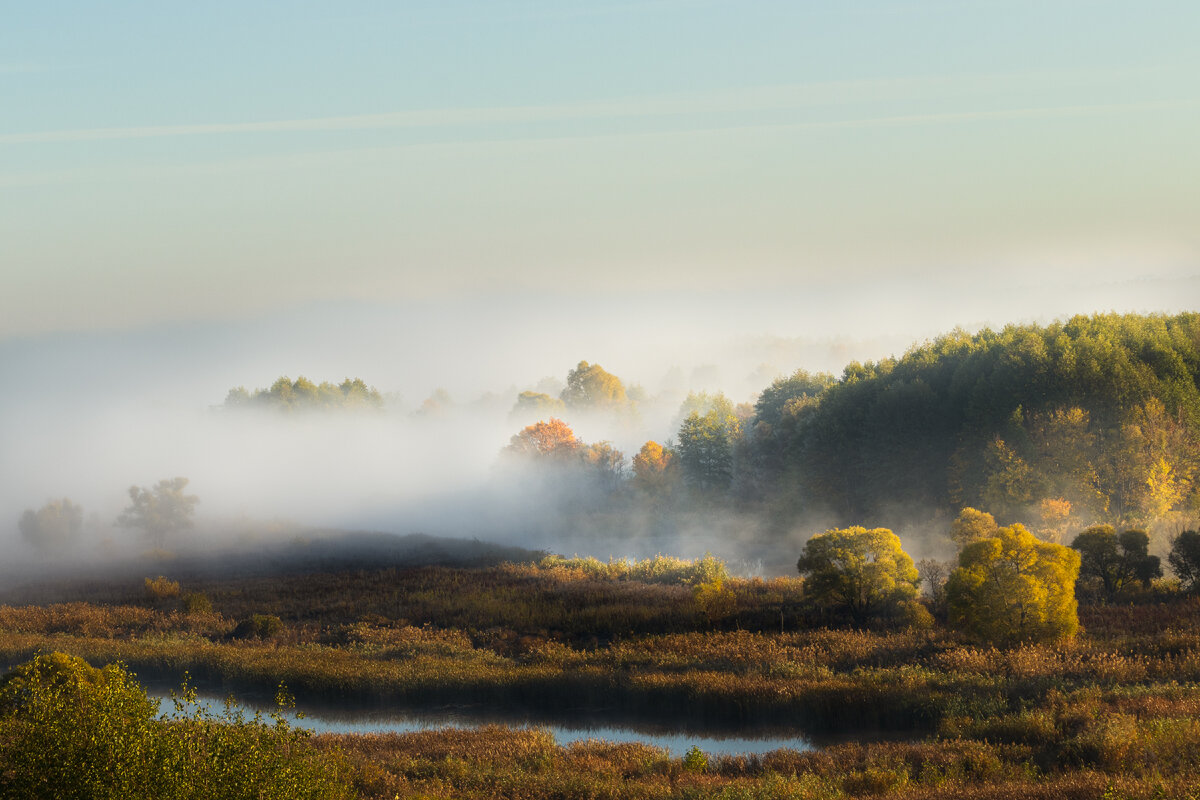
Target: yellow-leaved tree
(864,573)
(1011,588)
(655,469)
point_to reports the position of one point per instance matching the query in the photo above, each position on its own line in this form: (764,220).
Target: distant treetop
(304,395)
(590,386)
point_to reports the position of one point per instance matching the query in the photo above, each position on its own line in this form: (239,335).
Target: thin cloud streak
(294,159)
(771,98)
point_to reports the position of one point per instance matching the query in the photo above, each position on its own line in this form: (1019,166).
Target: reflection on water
(565,731)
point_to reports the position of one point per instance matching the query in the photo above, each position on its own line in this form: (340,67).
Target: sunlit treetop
(590,386)
(551,438)
(304,395)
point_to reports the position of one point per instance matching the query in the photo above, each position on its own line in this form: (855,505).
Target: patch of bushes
(259,626)
(196,603)
(73,731)
(660,569)
(161,588)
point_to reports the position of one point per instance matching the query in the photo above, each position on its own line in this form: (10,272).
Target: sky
(978,161)
(695,194)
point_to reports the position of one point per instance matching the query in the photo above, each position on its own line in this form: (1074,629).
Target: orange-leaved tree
(553,438)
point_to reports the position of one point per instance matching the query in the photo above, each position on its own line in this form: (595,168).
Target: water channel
(566,729)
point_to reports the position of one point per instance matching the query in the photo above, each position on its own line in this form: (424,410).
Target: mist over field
(101,412)
(93,414)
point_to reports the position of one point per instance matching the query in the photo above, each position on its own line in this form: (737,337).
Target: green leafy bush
(695,760)
(73,731)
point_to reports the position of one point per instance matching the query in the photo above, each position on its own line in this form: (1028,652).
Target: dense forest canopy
(1095,418)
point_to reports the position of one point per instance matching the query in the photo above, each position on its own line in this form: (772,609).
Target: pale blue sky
(201,161)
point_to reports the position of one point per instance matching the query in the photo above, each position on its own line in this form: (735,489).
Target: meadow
(907,713)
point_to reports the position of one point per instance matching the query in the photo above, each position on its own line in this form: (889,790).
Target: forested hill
(1096,418)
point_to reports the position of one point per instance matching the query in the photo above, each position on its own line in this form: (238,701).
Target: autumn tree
(655,469)
(1094,411)
(1156,462)
(354,393)
(590,386)
(714,600)
(160,512)
(1012,588)
(281,394)
(1065,447)
(1012,483)
(52,527)
(537,404)
(864,573)
(1054,515)
(237,397)
(573,474)
(606,461)
(545,439)
(438,404)
(1110,565)
(972,525)
(1136,469)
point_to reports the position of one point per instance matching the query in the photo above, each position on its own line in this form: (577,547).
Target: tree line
(1092,420)
(304,395)
(1096,418)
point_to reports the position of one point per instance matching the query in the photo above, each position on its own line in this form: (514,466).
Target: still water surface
(321,719)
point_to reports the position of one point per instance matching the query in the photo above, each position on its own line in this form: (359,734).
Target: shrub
(73,731)
(695,760)
(715,601)
(259,626)
(912,614)
(660,569)
(196,603)
(161,588)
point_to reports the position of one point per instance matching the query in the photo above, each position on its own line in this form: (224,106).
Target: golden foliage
(1013,588)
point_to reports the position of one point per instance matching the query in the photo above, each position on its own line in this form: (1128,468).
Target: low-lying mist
(87,416)
(95,415)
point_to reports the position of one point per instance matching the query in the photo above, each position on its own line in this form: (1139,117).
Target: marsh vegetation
(1112,709)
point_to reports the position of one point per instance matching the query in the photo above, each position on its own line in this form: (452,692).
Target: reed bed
(515,763)
(1112,714)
